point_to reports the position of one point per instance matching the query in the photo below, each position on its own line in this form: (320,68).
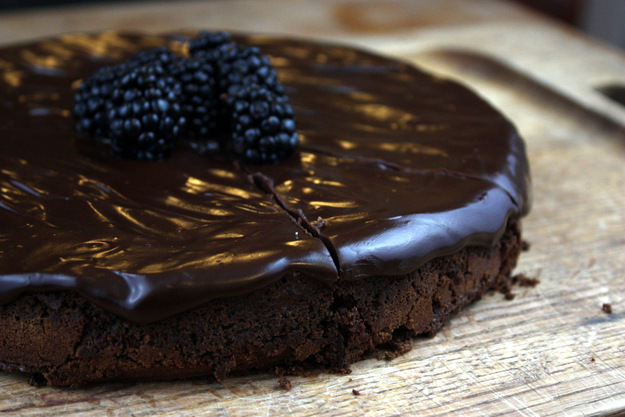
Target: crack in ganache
(266,184)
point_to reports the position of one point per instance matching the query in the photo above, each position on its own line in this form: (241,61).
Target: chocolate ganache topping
(395,167)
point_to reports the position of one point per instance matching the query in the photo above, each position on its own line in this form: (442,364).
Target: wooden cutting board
(549,351)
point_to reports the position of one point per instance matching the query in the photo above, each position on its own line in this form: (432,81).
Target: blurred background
(602,19)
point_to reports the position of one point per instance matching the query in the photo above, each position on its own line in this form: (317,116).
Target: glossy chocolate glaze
(395,167)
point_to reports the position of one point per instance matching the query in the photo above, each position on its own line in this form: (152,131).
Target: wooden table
(549,351)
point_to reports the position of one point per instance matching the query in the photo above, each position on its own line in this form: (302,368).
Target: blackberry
(222,91)
(241,65)
(144,113)
(199,101)
(90,99)
(207,40)
(134,107)
(162,56)
(262,125)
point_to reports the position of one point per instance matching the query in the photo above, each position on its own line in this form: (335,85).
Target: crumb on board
(525,245)
(525,281)
(285,383)
(592,359)
(521,280)
(355,392)
(509,296)
(607,308)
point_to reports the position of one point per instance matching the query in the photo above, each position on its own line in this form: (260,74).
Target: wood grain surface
(549,351)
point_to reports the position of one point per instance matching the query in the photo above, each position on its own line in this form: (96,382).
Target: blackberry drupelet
(199,100)
(262,125)
(207,40)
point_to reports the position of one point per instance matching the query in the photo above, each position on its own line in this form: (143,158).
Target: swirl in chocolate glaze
(396,167)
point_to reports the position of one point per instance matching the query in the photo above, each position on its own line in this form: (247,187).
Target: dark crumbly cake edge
(294,324)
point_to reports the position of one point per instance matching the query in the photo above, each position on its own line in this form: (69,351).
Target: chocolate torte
(400,206)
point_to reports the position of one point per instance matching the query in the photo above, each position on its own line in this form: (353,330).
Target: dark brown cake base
(67,341)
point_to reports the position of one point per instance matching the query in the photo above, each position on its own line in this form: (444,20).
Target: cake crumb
(355,392)
(592,359)
(505,287)
(525,245)
(319,223)
(607,308)
(509,296)
(524,281)
(285,383)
